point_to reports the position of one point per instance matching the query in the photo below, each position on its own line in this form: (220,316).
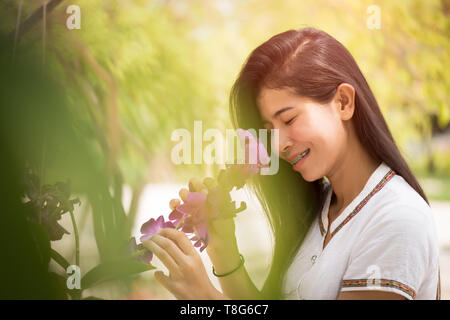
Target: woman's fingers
(187,277)
(166,282)
(180,239)
(174,203)
(173,286)
(171,247)
(163,280)
(162,255)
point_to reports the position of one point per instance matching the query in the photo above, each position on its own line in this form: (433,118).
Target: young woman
(349,219)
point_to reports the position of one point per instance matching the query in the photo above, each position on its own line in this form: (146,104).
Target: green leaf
(113,271)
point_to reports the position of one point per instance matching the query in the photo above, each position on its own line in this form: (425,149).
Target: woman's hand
(187,275)
(221,231)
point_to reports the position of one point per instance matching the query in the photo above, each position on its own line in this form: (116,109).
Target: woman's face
(312,135)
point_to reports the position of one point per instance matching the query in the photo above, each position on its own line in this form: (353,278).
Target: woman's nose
(285,145)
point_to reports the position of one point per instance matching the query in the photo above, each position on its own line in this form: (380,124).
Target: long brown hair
(313,64)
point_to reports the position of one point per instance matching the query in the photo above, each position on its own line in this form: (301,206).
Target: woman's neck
(350,175)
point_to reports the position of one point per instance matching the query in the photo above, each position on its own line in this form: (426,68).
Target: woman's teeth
(300,157)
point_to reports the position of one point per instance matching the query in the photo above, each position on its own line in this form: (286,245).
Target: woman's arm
(224,253)
(238,285)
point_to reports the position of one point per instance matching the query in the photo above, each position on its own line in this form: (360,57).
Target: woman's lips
(300,157)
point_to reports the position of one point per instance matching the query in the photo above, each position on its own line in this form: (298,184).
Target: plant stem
(179,225)
(77,239)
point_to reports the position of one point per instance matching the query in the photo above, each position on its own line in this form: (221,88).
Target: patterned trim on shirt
(358,208)
(322,228)
(381,282)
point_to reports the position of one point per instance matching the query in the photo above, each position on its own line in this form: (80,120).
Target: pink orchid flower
(255,151)
(192,216)
(236,175)
(152,226)
(148,229)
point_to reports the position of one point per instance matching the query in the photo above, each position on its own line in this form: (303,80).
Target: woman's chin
(307,176)
(309,179)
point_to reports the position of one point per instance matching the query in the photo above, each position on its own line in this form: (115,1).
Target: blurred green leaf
(113,270)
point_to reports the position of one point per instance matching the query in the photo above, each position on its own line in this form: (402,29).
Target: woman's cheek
(302,134)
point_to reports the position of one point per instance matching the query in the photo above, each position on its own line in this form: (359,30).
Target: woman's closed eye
(289,122)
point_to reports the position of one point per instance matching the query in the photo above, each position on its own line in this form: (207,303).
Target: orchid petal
(198,243)
(202,230)
(255,148)
(187,229)
(185,208)
(194,238)
(145,237)
(168,224)
(150,226)
(160,221)
(147,256)
(175,217)
(196,198)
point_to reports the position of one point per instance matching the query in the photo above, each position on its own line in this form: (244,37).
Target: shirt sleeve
(392,253)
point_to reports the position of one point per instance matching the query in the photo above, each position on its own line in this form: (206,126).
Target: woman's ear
(345,101)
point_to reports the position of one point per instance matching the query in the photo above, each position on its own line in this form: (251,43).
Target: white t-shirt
(385,240)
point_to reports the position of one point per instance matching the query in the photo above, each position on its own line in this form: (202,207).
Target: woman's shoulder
(399,203)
